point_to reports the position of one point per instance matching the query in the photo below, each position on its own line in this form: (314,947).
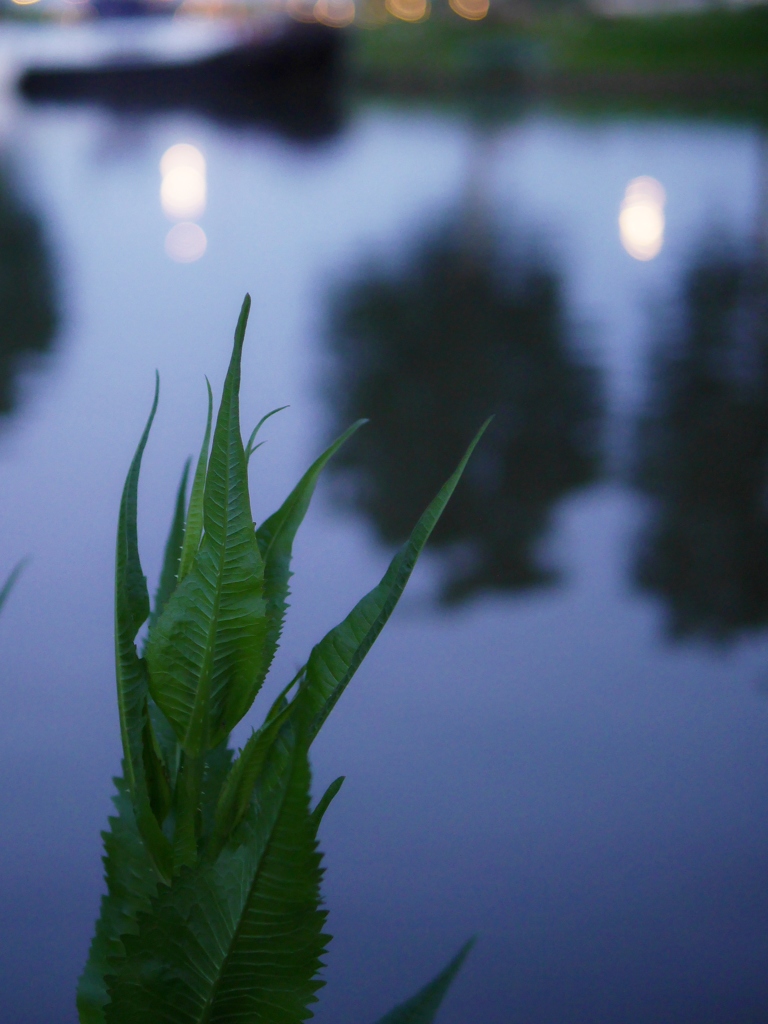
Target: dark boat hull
(289,83)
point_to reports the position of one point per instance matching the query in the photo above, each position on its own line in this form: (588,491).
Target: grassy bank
(712,56)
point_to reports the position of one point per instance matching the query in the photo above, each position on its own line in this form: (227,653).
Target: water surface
(544,754)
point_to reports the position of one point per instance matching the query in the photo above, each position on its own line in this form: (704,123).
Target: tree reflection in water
(703,453)
(27,307)
(461,331)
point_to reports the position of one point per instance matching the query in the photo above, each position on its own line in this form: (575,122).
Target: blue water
(544,766)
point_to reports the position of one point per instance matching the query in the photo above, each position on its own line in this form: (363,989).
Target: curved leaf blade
(275,537)
(334,661)
(132,597)
(131,611)
(250,447)
(194,529)
(421,1008)
(325,801)
(169,575)
(10,582)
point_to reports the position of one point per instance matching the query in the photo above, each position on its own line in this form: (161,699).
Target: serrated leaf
(334,661)
(194,529)
(186,805)
(218,764)
(275,537)
(205,654)
(239,940)
(131,611)
(169,575)
(422,1007)
(131,884)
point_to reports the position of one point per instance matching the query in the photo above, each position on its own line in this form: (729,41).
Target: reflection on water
(186,242)
(595,802)
(463,330)
(183,187)
(27,306)
(641,219)
(703,451)
(183,195)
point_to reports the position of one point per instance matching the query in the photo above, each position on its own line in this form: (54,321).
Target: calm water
(559,744)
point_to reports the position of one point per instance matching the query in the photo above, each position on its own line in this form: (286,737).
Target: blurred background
(556,212)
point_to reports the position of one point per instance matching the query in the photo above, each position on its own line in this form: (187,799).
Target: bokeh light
(183,190)
(182,155)
(408,10)
(301,10)
(335,13)
(641,218)
(472,10)
(185,242)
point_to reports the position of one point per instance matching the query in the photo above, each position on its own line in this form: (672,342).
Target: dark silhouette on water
(461,331)
(289,84)
(27,304)
(703,452)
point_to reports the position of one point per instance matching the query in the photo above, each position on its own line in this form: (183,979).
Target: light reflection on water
(542,767)
(641,219)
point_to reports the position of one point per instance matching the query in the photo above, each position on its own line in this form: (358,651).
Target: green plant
(10,582)
(212,911)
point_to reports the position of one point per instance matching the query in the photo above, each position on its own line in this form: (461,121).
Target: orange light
(408,10)
(472,10)
(335,13)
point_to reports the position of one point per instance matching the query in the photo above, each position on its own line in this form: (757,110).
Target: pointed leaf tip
(242,322)
(205,654)
(131,610)
(325,801)
(10,582)
(250,448)
(132,594)
(334,661)
(422,1008)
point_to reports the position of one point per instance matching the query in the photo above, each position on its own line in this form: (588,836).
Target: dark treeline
(27,302)
(703,452)
(461,331)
